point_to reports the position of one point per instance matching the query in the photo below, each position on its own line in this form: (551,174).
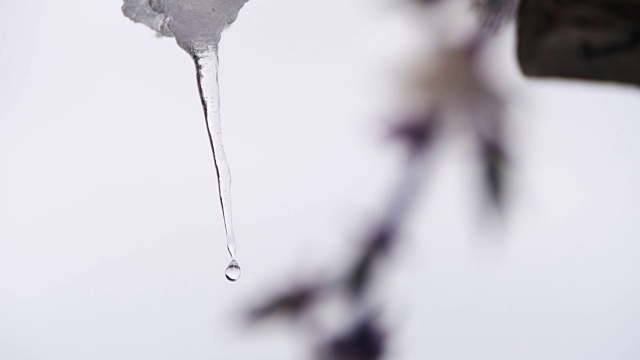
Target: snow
(196,24)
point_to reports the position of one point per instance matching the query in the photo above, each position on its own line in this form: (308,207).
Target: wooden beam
(581,39)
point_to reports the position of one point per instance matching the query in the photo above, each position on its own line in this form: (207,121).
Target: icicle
(207,76)
(197,26)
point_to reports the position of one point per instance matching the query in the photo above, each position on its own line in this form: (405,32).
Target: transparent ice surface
(207,75)
(197,26)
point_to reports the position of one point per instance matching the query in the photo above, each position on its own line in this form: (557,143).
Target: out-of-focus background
(111,237)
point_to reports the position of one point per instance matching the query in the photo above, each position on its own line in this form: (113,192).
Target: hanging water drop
(233,271)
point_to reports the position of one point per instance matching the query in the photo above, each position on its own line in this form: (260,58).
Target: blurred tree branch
(455,82)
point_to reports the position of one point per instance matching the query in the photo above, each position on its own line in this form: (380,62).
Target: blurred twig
(456,82)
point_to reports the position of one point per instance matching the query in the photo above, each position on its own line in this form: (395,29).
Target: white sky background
(111,237)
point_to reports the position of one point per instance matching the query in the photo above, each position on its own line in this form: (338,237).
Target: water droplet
(233,271)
